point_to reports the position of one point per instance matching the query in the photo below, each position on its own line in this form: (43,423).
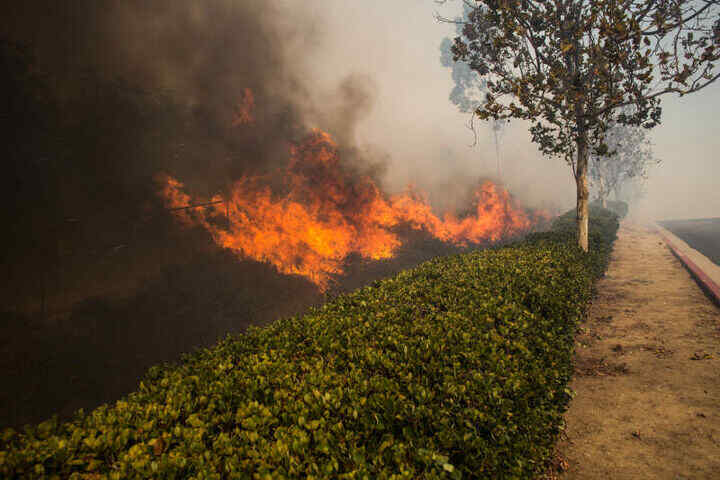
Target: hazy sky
(391,50)
(396,43)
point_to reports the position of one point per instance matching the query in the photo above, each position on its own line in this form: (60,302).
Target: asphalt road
(701,234)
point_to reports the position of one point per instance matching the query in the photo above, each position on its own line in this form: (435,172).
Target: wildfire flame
(244,109)
(324,214)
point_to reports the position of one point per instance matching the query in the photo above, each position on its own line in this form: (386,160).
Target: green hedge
(458,368)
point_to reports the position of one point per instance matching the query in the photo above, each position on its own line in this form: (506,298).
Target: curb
(706,283)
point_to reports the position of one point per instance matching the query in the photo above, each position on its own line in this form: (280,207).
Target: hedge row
(458,368)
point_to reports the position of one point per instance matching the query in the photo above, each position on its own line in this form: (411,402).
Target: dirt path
(647,380)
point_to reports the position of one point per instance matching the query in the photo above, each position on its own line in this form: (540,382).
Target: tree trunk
(583,193)
(572,82)
(497,153)
(602,194)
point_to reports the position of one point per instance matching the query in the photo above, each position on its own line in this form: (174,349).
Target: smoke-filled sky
(396,43)
(369,73)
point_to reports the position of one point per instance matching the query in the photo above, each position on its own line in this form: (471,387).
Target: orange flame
(244,109)
(325,214)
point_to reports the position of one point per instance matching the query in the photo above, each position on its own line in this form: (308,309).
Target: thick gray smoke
(102,96)
(201,56)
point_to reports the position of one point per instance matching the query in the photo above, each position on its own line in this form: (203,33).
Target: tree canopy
(567,66)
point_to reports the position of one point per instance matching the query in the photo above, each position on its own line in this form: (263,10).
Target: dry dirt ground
(647,381)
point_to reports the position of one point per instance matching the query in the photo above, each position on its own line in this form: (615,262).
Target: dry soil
(647,381)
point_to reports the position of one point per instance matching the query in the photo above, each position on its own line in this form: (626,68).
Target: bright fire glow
(244,109)
(324,214)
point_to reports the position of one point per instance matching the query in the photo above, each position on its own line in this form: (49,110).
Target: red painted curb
(706,283)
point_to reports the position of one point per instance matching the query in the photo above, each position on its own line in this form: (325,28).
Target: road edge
(681,250)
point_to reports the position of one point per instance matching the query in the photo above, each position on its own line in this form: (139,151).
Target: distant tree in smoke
(469,89)
(629,157)
(632,190)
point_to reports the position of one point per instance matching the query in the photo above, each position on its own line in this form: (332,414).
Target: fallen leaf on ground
(701,356)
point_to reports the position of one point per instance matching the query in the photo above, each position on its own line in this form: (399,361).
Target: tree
(632,190)
(629,157)
(469,89)
(569,65)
